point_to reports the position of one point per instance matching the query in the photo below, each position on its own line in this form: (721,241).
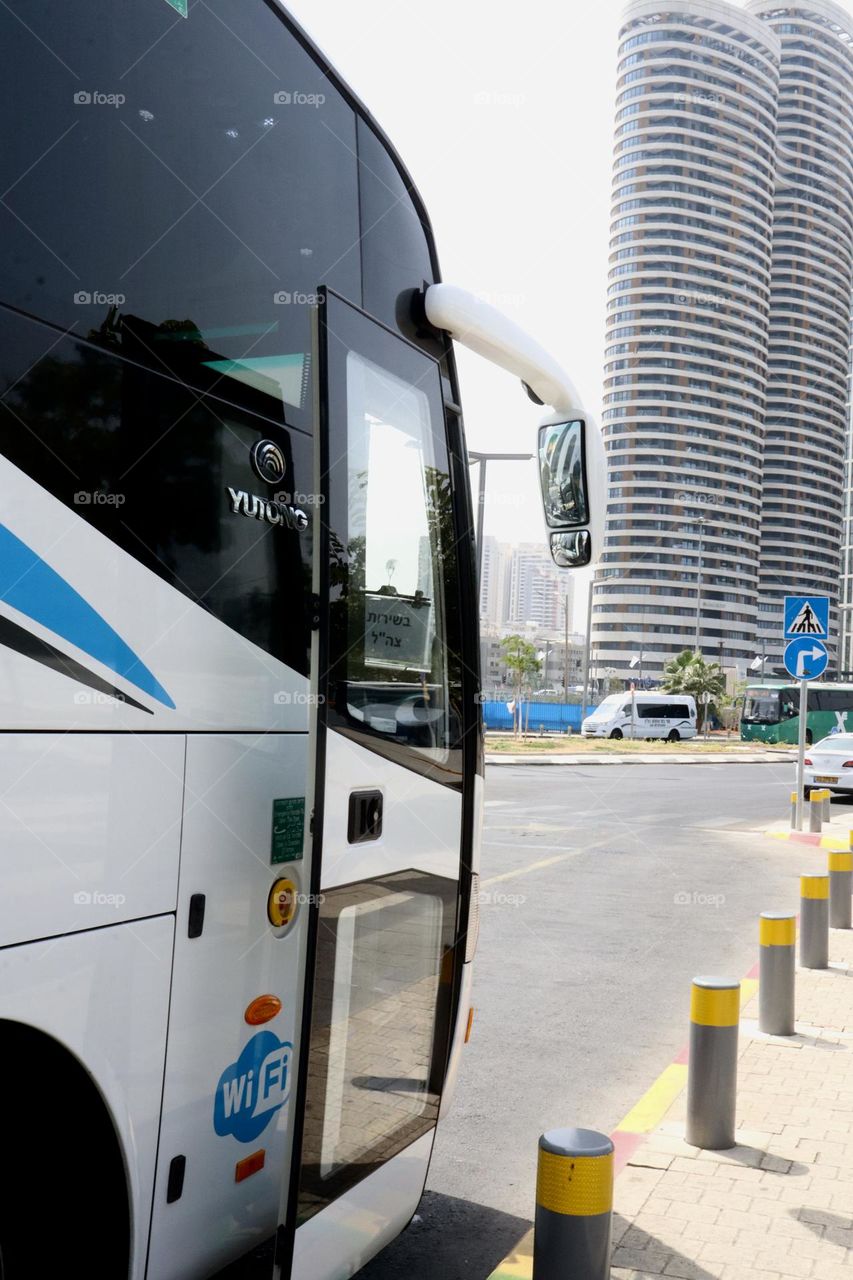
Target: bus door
(388,808)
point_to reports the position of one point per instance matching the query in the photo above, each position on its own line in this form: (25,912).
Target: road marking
(647,1114)
(521,871)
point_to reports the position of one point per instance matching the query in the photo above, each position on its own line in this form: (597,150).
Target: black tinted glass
(178,188)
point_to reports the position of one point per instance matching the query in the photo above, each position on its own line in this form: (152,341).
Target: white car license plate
(825,777)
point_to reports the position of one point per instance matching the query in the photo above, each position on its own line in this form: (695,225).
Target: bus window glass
(761,706)
(378,1027)
(398,555)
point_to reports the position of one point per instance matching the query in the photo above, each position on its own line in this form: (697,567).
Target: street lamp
(482,459)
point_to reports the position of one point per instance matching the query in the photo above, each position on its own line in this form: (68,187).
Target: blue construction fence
(550,717)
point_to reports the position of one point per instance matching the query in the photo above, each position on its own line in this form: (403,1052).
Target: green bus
(771,711)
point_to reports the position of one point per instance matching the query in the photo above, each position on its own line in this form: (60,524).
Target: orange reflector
(262,1009)
(249,1165)
(470,1024)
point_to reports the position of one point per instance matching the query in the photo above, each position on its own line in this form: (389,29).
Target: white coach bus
(240,766)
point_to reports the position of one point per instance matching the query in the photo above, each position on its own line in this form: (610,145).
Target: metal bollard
(814,922)
(777,934)
(574,1206)
(712,1063)
(840,889)
(827,804)
(816,811)
(793,810)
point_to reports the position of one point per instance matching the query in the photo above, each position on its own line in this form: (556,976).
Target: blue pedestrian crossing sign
(806,616)
(805,658)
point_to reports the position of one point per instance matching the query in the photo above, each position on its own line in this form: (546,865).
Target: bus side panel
(90,830)
(103,995)
(228,1082)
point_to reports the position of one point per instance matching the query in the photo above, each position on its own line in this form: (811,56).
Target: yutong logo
(268,462)
(249,504)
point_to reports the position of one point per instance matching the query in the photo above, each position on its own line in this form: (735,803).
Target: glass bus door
(388,809)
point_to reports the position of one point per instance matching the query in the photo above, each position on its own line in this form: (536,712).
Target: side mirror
(573,476)
(571,550)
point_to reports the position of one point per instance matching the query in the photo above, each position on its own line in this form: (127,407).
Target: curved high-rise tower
(686,360)
(811,282)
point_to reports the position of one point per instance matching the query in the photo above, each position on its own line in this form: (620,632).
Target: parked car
(829,763)
(648,715)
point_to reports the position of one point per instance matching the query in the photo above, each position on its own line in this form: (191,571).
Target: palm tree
(690,673)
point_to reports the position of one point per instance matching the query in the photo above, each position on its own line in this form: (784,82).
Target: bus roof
(792,684)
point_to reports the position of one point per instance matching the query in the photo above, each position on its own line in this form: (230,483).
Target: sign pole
(804,699)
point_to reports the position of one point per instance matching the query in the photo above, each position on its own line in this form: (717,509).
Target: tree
(690,673)
(521,661)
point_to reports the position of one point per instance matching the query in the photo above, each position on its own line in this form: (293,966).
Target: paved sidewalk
(836,834)
(780,1203)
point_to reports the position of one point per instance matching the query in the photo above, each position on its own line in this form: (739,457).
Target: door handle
(365,816)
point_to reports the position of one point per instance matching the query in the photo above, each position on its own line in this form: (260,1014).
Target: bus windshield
(761,706)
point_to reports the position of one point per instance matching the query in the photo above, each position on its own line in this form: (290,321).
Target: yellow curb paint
(714,1006)
(518,1265)
(826,842)
(577,1186)
(522,871)
(647,1114)
(814,886)
(748,988)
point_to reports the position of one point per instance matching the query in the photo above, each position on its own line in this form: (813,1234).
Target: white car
(829,763)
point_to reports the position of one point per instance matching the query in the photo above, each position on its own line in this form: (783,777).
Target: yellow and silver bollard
(840,889)
(777,935)
(827,804)
(814,922)
(712,1063)
(574,1206)
(793,810)
(816,811)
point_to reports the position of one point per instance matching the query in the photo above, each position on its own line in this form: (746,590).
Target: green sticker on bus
(180,5)
(288,829)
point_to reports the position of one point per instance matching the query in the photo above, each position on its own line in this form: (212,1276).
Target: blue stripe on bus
(28,584)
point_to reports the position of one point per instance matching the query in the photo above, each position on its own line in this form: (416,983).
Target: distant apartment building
(728,326)
(539,592)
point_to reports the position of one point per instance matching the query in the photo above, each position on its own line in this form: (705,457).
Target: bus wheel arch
(60,1132)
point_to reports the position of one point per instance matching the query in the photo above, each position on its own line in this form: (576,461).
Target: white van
(655,715)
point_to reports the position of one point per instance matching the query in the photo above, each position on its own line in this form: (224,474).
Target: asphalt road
(611,887)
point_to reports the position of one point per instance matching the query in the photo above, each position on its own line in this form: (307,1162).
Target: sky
(504,116)
(506,127)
